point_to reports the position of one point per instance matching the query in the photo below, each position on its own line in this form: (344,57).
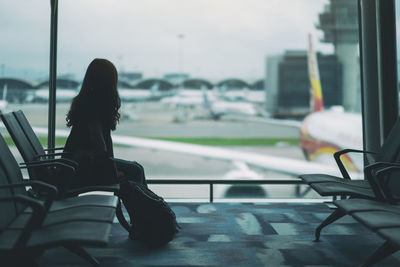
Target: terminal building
(287,86)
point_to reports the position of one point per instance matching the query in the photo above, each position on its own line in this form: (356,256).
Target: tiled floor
(234,234)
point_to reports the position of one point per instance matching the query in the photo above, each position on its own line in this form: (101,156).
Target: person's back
(83,137)
(93,114)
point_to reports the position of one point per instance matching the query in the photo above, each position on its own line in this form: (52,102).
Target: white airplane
(219,108)
(255,96)
(209,105)
(189,98)
(128,111)
(256,93)
(324,132)
(139,94)
(234,94)
(158,89)
(3,101)
(62,95)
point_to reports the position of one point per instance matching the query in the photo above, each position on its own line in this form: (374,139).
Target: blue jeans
(132,170)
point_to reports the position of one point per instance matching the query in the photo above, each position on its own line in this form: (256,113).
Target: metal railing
(212,182)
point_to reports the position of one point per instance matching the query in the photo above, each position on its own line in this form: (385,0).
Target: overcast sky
(222,38)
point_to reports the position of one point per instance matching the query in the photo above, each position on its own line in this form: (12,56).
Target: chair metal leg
(337,214)
(121,217)
(382,252)
(299,193)
(81,252)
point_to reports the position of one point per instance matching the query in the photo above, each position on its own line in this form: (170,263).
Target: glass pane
(229,75)
(24,58)
(397,3)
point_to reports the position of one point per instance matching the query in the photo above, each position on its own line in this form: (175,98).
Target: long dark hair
(98,97)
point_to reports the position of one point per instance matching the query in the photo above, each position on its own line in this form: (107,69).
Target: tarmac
(156,120)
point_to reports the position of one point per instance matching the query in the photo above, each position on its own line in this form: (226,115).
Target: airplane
(207,105)
(3,101)
(256,93)
(219,108)
(63,95)
(139,94)
(325,131)
(238,91)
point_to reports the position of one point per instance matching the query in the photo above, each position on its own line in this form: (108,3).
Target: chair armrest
(105,188)
(35,221)
(50,189)
(68,161)
(53,154)
(55,161)
(47,163)
(47,187)
(339,162)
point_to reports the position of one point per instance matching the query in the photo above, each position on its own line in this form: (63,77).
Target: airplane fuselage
(325,132)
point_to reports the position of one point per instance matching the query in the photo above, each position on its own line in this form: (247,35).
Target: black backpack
(152,220)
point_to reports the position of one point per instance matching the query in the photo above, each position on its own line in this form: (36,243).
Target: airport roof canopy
(61,83)
(197,83)
(162,85)
(258,85)
(16,83)
(124,84)
(233,83)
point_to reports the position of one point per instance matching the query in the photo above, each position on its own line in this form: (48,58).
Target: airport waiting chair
(14,176)
(38,167)
(32,138)
(29,225)
(328,185)
(381,215)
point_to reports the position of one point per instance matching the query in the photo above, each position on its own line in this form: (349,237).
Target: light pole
(181,38)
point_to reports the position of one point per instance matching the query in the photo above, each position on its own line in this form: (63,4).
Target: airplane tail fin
(154,88)
(4,92)
(315,82)
(206,101)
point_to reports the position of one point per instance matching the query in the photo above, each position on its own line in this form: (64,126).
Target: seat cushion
(391,234)
(377,219)
(82,213)
(336,189)
(356,204)
(323,178)
(86,200)
(77,233)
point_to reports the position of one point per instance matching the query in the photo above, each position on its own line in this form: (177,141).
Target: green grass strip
(230,141)
(208,141)
(60,141)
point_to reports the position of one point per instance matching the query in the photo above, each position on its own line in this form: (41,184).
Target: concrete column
(348,56)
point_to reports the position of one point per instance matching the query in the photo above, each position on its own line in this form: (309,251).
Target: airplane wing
(279,122)
(273,163)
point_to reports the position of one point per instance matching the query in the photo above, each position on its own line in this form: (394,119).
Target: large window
(230,75)
(397,3)
(24,57)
